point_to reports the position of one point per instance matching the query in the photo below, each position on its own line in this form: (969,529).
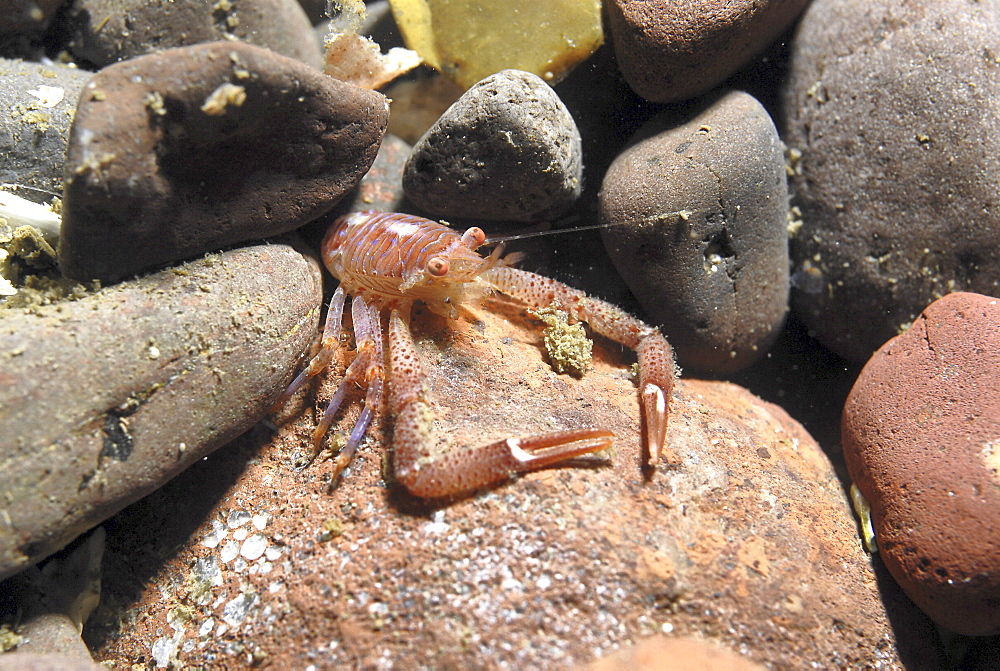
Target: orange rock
(554,569)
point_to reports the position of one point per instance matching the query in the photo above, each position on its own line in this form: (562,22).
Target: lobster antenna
(656,218)
(15,187)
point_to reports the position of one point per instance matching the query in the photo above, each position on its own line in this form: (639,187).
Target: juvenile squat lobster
(385,262)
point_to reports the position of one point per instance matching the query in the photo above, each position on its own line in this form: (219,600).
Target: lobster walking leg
(430,471)
(656,357)
(368,335)
(328,346)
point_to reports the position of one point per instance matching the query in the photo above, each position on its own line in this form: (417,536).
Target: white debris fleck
(216,535)
(272,553)
(667,628)
(510,584)
(437,525)
(238,518)
(543,582)
(241,534)
(48,96)
(236,610)
(260,521)
(206,627)
(164,649)
(275,586)
(254,547)
(230,550)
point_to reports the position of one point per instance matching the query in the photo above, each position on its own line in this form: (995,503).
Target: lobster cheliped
(385,262)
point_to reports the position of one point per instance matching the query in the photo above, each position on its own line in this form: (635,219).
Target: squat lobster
(385,262)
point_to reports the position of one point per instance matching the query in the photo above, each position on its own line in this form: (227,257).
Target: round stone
(670,51)
(921,437)
(508,149)
(892,112)
(696,211)
(192,149)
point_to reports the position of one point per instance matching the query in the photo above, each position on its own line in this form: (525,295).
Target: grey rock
(192,149)
(508,149)
(106,31)
(716,276)
(36,109)
(895,108)
(106,398)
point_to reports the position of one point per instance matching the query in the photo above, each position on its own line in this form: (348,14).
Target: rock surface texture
(196,148)
(697,208)
(106,398)
(508,149)
(670,51)
(921,436)
(895,108)
(108,31)
(37,103)
(747,541)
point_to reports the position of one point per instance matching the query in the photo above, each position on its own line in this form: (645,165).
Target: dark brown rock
(921,435)
(670,51)
(508,149)
(107,31)
(382,186)
(26,16)
(36,109)
(748,542)
(106,398)
(715,277)
(895,108)
(167,159)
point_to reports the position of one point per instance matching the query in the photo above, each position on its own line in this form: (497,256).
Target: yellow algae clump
(472,39)
(568,346)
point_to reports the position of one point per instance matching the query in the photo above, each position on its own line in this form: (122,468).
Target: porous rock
(921,436)
(36,109)
(508,149)
(192,149)
(107,31)
(106,398)
(670,51)
(895,109)
(697,211)
(746,541)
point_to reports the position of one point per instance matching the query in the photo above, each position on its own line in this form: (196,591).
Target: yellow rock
(471,39)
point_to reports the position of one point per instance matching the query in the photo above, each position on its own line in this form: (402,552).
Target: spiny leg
(656,357)
(328,345)
(368,335)
(431,472)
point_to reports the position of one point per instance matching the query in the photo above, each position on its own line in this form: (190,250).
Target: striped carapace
(385,262)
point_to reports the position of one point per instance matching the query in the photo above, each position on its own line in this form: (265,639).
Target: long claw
(533,452)
(654,405)
(463,470)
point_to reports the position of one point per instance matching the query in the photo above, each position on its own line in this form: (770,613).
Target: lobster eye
(438,267)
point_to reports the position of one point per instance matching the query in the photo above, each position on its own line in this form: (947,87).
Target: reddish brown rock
(748,541)
(921,435)
(665,653)
(106,398)
(669,51)
(192,149)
